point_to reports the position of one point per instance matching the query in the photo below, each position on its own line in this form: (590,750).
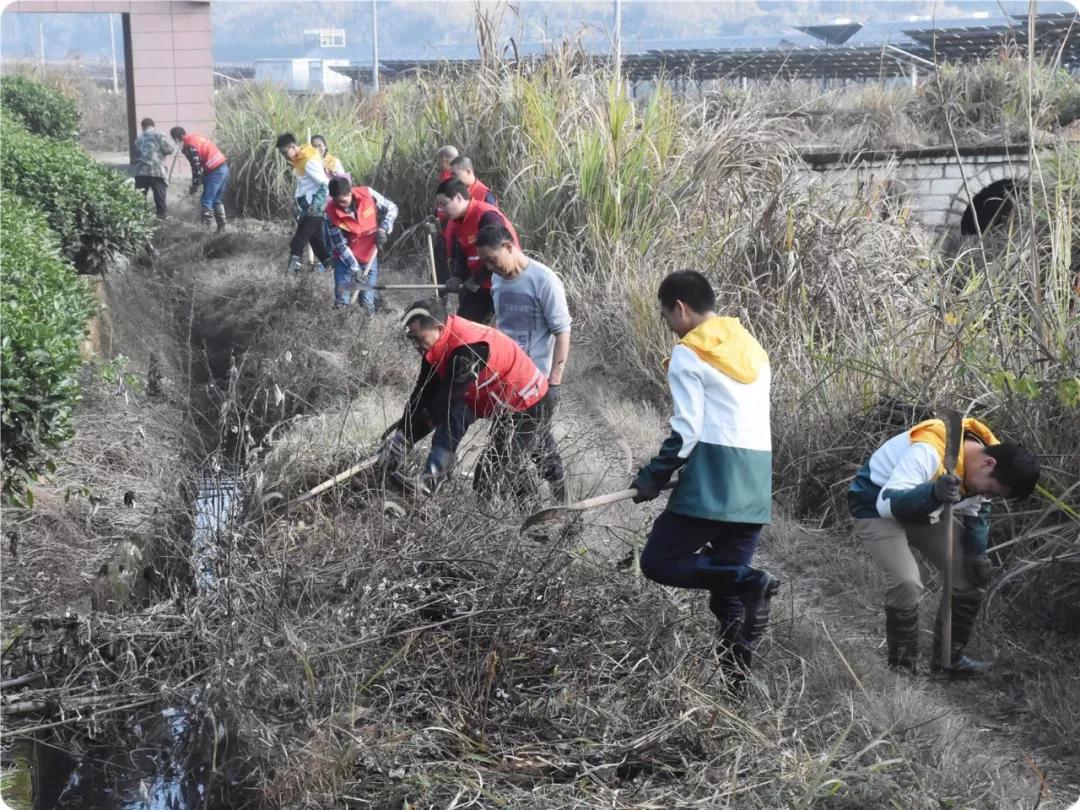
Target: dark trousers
(545,454)
(711,555)
(477,306)
(309,231)
(503,467)
(159,187)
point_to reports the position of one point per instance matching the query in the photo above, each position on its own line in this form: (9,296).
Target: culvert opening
(990,208)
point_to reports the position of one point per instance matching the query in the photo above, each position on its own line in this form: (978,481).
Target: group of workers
(502,357)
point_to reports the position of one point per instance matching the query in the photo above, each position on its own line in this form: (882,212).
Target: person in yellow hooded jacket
(721,441)
(897,498)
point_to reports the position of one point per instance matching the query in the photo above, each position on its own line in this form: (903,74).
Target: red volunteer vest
(478,191)
(440,214)
(465,230)
(209,155)
(359,228)
(508,380)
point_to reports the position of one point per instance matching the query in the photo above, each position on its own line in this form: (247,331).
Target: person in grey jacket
(530,307)
(151,149)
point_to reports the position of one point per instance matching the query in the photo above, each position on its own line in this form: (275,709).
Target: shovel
(330,483)
(432,287)
(430,229)
(954,435)
(553,513)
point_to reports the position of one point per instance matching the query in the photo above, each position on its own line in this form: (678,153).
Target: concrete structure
(945,190)
(167,56)
(304,75)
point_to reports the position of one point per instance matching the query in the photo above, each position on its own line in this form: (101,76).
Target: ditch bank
(102,652)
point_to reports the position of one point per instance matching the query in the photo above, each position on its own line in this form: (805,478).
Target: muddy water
(153,759)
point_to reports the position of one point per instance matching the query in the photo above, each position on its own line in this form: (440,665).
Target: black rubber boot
(756,597)
(965,607)
(207,218)
(732,654)
(219,217)
(902,637)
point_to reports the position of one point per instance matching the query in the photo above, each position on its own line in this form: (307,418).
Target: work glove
(947,489)
(392,451)
(978,570)
(647,490)
(437,468)
(380,237)
(453,284)
(360,274)
(471,284)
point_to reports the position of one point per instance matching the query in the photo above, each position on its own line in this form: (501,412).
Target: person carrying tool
(443,157)
(897,498)
(151,149)
(720,438)
(209,169)
(331,164)
(530,307)
(469,372)
(358,222)
(463,171)
(468,276)
(312,189)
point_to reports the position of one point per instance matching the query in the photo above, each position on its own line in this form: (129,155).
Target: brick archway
(168,57)
(976,185)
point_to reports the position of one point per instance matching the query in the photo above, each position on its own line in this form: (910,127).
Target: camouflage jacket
(150,150)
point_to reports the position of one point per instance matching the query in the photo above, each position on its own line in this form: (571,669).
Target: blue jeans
(343,284)
(214,186)
(672,556)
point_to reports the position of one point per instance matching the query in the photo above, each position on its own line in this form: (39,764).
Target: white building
(323,48)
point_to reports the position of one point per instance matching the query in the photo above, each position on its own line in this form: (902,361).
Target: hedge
(41,109)
(44,308)
(96,214)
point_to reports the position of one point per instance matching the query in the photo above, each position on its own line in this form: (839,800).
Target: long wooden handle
(330,483)
(431,258)
(946,590)
(612,497)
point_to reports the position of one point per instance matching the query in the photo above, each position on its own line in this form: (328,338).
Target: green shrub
(41,109)
(44,307)
(97,216)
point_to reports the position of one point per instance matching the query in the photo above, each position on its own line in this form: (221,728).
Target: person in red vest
(358,221)
(467,372)
(468,275)
(463,171)
(209,169)
(443,158)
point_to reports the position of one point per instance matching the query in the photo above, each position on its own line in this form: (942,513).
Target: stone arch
(990,187)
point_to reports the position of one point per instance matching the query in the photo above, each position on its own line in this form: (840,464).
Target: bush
(44,308)
(97,216)
(41,109)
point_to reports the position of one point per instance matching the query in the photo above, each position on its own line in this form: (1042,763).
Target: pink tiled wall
(171,54)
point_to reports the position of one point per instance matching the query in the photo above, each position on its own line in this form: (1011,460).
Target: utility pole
(112,42)
(374,47)
(618,40)
(41,42)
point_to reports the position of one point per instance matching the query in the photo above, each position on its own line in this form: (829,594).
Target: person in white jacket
(312,190)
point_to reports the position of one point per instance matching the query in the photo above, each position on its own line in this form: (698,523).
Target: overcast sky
(245,30)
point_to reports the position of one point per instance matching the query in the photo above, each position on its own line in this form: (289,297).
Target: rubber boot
(207,217)
(902,637)
(756,596)
(294,265)
(219,216)
(965,607)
